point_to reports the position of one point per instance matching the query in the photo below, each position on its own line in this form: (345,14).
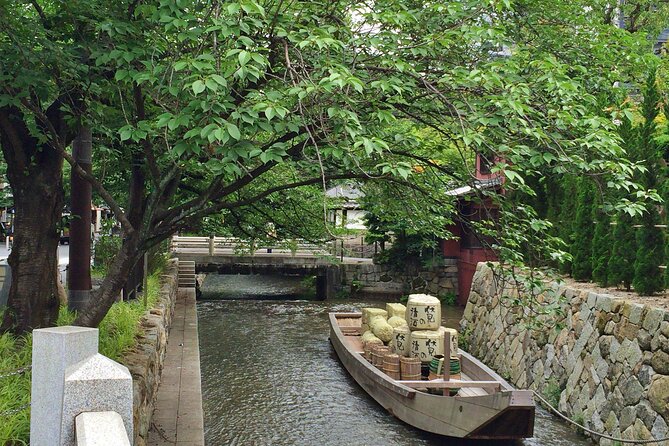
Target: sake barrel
(370,312)
(454,339)
(401,340)
(377,355)
(423,312)
(381,328)
(391,365)
(396,321)
(396,310)
(425,344)
(368,348)
(410,368)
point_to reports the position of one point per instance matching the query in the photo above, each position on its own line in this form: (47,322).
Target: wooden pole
(79,269)
(447,360)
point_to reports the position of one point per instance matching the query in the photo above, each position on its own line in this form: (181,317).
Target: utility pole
(79,270)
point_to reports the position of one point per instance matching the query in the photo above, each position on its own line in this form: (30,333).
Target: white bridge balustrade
(231,245)
(70,379)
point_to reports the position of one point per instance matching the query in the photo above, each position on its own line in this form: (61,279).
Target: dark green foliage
(565,216)
(623,253)
(601,248)
(650,240)
(650,254)
(581,248)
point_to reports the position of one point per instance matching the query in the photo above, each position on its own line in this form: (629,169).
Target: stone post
(69,378)
(96,384)
(101,428)
(54,350)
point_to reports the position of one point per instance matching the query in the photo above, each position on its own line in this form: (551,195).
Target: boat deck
(352,333)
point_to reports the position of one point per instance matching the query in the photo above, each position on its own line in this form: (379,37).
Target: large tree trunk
(35,176)
(109,292)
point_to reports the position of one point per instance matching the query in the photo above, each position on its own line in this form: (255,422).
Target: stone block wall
(437,280)
(145,361)
(607,357)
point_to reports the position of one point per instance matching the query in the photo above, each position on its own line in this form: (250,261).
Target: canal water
(271,378)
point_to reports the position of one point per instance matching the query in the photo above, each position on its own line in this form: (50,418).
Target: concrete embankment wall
(145,361)
(607,357)
(383,280)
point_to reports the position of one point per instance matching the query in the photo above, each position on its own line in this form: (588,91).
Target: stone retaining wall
(608,358)
(145,361)
(438,280)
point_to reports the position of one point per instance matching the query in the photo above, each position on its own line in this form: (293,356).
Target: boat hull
(506,414)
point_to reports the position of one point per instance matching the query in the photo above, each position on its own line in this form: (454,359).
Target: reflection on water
(270,377)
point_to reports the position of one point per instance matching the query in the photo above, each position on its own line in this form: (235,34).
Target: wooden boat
(485,407)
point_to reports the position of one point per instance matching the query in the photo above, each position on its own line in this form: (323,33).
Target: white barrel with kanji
(423,312)
(425,344)
(402,340)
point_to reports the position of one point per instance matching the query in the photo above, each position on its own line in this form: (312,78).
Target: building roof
(479,184)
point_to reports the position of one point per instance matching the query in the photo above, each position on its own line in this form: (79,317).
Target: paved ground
(178,416)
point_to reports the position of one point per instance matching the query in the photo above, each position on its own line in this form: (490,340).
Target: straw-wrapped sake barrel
(395,310)
(401,340)
(454,339)
(381,328)
(423,312)
(425,344)
(396,321)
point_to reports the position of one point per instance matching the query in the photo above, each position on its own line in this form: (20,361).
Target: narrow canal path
(270,376)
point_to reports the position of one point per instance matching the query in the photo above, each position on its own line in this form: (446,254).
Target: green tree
(623,252)
(210,107)
(624,247)
(581,248)
(648,278)
(601,248)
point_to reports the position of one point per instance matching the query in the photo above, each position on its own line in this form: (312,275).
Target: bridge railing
(212,245)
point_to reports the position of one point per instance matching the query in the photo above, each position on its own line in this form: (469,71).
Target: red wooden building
(470,248)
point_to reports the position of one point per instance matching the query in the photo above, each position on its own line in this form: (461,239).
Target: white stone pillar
(54,350)
(101,429)
(96,384)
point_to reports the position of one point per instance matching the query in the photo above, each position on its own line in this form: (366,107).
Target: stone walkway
(178,417)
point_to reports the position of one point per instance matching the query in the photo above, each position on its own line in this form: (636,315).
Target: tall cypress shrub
(623,246)
(566,216)
(581,248)
(623,252)
(601,248)
(648,278)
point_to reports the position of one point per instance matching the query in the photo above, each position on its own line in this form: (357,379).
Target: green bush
(601,249)
(552,392)
(623,252)
(448,298)
(581,248)
(648,278)
(106,248)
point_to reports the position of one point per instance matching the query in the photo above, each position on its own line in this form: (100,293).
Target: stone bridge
(226,255)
